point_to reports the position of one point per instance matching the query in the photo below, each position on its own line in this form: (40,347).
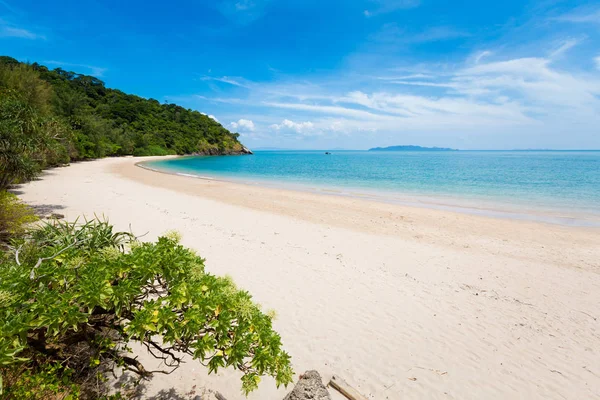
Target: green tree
(31,138)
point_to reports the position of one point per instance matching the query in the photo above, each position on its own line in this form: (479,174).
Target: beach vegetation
(31,138)
(15,216)
(75,296)
(51,117)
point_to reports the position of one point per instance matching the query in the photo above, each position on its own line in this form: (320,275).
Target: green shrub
(74,294)
(14,216)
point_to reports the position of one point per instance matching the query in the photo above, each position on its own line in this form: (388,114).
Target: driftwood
(345,389)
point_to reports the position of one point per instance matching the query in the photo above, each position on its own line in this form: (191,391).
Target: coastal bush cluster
(14,216)
(68,116)
(73,296)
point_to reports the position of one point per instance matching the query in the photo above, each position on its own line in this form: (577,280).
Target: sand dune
(404,303)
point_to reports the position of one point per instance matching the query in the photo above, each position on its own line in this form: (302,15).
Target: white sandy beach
(401,302)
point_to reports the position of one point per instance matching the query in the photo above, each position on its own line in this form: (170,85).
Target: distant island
(411,148)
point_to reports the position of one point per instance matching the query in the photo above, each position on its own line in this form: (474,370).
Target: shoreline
(490,209)
(401,302)
(449,228)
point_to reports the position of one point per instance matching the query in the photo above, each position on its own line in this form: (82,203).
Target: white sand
(472,307)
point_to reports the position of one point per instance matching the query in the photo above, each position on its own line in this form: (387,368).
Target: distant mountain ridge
(411,148)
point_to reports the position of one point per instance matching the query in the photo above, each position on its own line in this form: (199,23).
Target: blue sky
(329,73)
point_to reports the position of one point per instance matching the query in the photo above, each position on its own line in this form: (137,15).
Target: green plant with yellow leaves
(74,295)
(15,216)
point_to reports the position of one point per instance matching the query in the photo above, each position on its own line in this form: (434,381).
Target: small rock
(57,216)
(309,387)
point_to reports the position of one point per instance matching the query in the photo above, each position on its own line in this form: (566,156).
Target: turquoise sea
(554,186)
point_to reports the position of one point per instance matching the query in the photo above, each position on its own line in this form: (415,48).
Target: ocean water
(555,186)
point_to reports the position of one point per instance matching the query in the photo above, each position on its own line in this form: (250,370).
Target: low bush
(73,296)
(14,216)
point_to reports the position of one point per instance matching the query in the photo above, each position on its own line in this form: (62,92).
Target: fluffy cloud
(298,127)
(501,103)
(244,125)
(522,90)
(211,117)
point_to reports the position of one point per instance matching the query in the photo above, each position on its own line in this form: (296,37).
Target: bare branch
(40,260)
(17,255)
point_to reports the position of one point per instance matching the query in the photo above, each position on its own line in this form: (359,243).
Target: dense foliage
(14,216)
(76,117)
(73,295)
(31,137)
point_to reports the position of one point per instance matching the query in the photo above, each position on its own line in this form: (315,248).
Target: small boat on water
(327,153)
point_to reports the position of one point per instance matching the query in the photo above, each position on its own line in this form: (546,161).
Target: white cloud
(512,102)
(9,29)
(298,127)
(96,71)
(402,77)
(421,83)
(211,117)
(244,125)
(481,55)
(225,79)
(533,84)
(565,46)
(324,109)
(581,15)
(528,67)
(6,30)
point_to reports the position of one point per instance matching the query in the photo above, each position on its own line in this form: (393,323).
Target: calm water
(561,186)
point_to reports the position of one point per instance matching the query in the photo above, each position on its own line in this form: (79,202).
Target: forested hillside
(96,121)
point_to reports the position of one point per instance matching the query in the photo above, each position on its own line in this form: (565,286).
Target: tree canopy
(80,118)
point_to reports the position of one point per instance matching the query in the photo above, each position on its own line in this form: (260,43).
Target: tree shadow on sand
(43,210)
(40,210)
(139,391)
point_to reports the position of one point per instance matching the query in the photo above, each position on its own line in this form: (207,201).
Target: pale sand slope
(472,307)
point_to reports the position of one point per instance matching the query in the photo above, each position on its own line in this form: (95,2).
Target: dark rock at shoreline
(217,152)
(309,387)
